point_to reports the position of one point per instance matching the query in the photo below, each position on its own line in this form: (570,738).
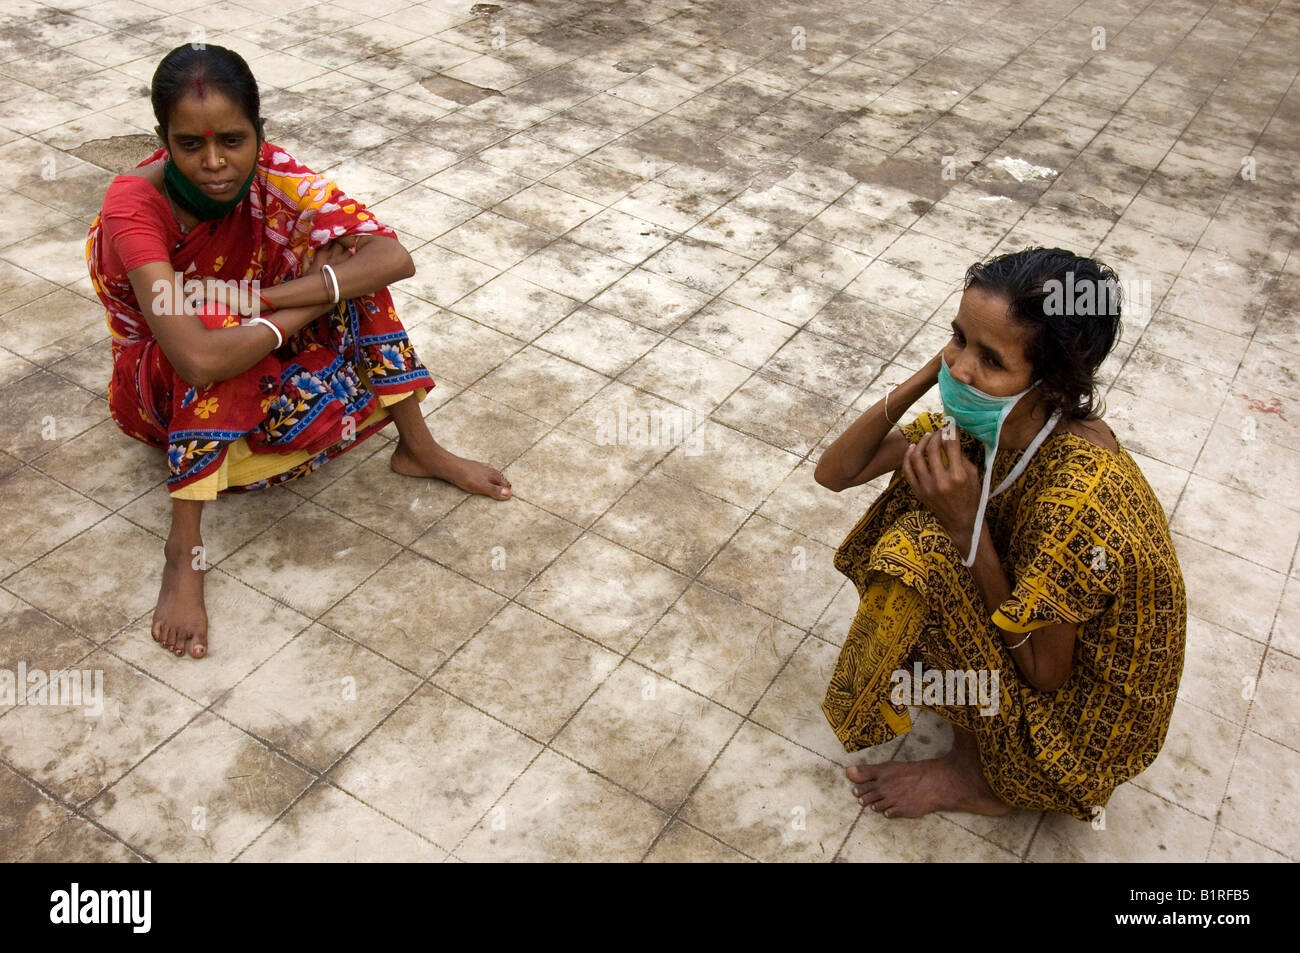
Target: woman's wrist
(963,533)
(267,305)
(272,327)
(292,320)
(308,290)
(893,417)
(930,373)
(899,397)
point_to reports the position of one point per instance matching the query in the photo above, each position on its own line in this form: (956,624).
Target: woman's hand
(951,489)
(333,254)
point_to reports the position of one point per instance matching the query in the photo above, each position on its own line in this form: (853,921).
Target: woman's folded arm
(202,355)
(377,262)
(871,446)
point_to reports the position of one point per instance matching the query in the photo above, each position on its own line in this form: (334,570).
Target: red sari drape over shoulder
(313,394)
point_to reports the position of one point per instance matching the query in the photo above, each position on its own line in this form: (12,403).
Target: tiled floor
(751,217)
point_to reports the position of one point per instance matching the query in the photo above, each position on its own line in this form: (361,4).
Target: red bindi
(208,133)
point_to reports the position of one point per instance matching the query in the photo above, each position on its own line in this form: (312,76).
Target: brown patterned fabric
(1083,539)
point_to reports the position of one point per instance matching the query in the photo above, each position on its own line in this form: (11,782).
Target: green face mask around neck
(197,202)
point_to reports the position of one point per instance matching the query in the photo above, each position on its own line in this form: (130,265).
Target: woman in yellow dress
(1017,575)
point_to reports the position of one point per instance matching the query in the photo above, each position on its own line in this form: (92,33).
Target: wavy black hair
(192,68)
(1070,306)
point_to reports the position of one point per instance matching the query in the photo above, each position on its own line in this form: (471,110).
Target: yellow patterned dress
(1082,539)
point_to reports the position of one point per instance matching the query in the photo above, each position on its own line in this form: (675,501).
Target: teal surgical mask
(982,415)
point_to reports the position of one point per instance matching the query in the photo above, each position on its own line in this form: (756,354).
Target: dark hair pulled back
(1071,307)
(196,69)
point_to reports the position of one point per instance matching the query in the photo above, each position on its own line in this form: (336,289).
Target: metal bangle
(1021,642)
(892,423)
(334,280)
(279,336)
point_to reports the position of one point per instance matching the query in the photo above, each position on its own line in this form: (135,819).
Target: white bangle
(334,280)
(1021,642)
(279,338)
(892,423)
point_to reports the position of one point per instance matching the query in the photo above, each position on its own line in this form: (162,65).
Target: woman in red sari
(294,354)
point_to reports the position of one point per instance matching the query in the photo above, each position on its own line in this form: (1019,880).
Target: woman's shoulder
(1082,445)
(1095,471)
(138,183)
(1094,431)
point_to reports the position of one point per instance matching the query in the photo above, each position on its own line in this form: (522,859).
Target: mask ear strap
(984,502)
(1030,450)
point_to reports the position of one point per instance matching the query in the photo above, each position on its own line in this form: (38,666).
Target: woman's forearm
(990,577)
(377,264)
(228,352)
(297,293)
(849,455)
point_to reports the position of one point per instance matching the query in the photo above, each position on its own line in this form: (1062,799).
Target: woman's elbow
(406,266)
(195,371)
(1049,683)
(825,476)
(197,380)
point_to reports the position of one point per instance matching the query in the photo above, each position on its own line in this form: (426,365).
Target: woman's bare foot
(180,616)
(914,788)
(470,475)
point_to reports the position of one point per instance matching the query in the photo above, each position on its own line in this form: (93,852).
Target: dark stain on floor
(118,154)
(457,90)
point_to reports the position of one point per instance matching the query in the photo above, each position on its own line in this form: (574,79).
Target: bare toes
(859,772)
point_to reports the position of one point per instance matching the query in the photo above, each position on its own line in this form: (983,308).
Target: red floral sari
(318,395)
